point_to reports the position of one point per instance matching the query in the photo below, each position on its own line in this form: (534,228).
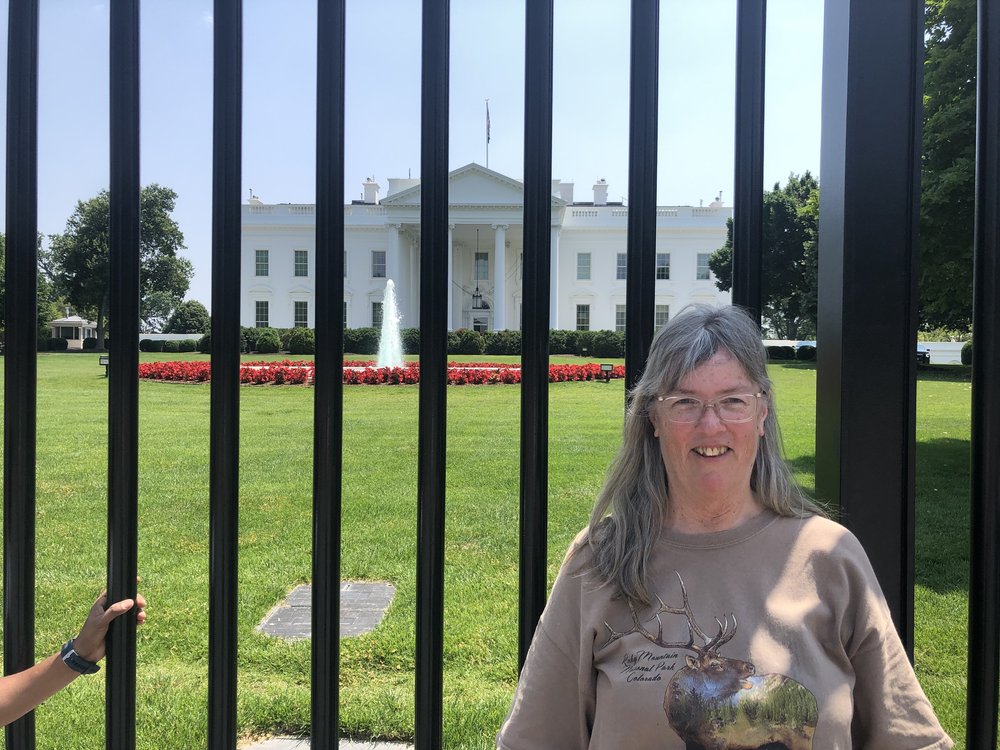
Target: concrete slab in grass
(362,607)
(291,743)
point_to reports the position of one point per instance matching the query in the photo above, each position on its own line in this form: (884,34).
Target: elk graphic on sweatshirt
(719,703)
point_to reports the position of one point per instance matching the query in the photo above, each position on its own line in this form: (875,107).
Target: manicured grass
(379,542)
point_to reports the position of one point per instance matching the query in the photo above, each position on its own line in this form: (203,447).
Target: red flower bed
(290,372)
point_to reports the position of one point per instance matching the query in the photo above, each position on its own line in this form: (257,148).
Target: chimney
(566,191)
(601,193)
(371,190)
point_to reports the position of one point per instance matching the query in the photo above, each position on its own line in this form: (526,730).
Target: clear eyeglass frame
(723,411)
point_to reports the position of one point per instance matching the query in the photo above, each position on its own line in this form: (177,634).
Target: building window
(376,314)
(262,263)
(583,317)
(583,266)
(661,316)
(260,312)
(301,262)
(620,318)
(622,271)
(663,266)
(301,314)
(378,264)
(345,313)
(703,270)
(481,323)
(482,267)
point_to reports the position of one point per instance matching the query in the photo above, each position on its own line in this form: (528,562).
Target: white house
(382,241)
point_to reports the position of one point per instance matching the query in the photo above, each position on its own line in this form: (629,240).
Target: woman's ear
(763,417)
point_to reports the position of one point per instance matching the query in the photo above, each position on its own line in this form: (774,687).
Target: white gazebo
(74,329)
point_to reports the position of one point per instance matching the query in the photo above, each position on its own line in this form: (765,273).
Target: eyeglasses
(735,407)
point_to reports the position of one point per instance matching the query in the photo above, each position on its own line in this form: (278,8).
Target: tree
(791,221)
(79,258)
(49,304)
(948,163)
(189,317)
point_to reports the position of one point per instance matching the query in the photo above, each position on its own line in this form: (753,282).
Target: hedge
(967,352)
(806,353)
(775,353)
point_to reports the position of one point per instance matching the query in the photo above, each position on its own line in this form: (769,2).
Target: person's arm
(23,691)
(891,711)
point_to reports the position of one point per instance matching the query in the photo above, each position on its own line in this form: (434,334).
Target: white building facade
(485,238)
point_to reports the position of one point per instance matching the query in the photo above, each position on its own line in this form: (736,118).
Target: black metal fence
(865,443)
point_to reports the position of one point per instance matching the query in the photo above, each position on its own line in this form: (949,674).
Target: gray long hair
(630,508)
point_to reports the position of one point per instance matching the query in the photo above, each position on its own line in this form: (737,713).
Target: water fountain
(390,347)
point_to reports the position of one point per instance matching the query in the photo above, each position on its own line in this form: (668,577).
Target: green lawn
(379,542)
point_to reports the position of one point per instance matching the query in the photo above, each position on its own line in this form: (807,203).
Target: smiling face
(709,462)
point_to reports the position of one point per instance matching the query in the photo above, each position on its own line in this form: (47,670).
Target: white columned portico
(554,280)
(451,246)
(499,277)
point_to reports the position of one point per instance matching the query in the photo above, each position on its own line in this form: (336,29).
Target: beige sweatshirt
(786,641)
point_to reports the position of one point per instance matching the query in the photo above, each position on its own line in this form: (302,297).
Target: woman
(710,603)
(23,691)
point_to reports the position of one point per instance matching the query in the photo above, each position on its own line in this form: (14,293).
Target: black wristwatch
(76,662)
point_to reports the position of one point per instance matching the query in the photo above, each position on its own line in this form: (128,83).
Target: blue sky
(590,118)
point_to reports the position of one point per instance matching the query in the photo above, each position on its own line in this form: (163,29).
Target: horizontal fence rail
(871,105)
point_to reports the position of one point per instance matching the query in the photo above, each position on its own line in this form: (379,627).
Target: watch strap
(76,662)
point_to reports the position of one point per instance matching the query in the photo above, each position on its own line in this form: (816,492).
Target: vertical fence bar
(19,362)
(640,286)
(434,291)
(984,574)
(225,398)
(535,327)
(123,378)
(748,203)
(329,374)
(872,81)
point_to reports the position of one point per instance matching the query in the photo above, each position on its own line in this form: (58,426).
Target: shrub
(187,345)
(156,345)
(171,346)
(90,343)
(469,341)
(967,353)
(249,338)
(57,345)
(283,336)
(361,340)
(268,341)
(302,341)
(452,342)
(411,340)
(775,353)
(144,345)
(558,342)
(806,353)
(607,344)
(503,342)
(205,344)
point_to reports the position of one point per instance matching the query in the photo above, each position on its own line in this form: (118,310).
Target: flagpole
(487,133)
